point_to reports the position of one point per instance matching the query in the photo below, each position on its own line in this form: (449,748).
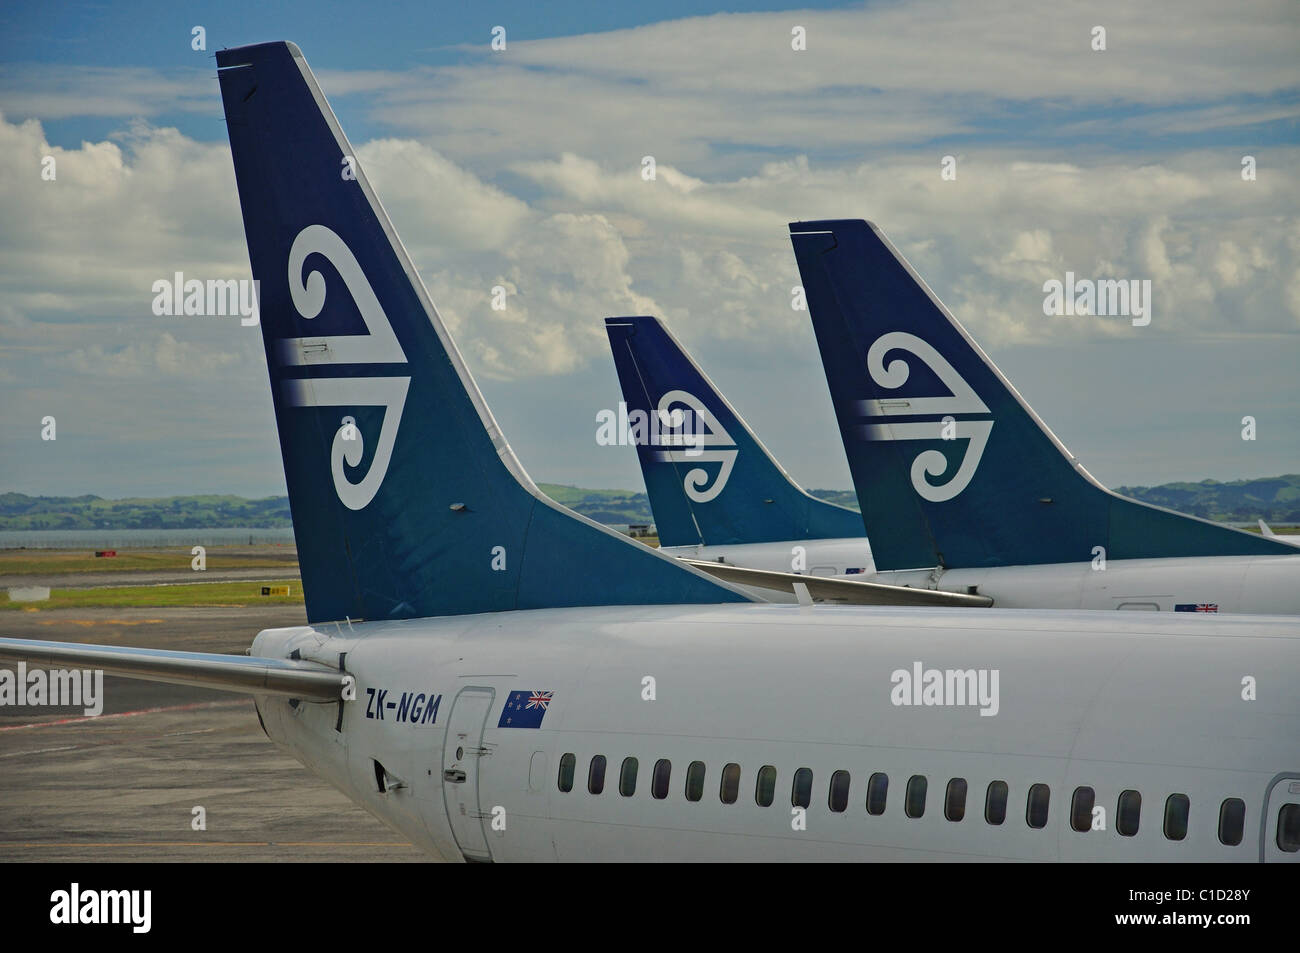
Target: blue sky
(393,36)
(521,168)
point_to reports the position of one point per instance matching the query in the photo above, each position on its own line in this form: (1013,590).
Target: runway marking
(89,622)
(19,754)
(184,843)
(125,714)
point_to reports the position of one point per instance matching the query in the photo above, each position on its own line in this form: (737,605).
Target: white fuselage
(1268,585)
(817,557)
(1080,701)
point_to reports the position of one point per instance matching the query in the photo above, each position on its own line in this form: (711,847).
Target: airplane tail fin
(951,466)
(406,499)
(710,480)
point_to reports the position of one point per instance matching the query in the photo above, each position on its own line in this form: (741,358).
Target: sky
(522,168)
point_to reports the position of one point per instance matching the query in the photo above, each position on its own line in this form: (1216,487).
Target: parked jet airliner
(500,679)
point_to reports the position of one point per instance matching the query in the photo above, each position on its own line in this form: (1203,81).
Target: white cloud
(1009,50)
(56,91)
(562,274)
(460,212)
(160,354)
(524,170)
(119,215)
(716,92)
(706,253)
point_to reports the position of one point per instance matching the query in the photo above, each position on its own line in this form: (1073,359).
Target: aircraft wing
(839,588)
(230,673)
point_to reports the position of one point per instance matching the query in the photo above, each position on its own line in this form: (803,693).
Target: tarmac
(123,786)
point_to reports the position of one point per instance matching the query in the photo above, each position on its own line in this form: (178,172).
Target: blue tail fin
(710,480)
(406,499)
(951,466)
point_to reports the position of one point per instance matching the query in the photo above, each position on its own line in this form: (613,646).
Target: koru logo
(694,429)
(929,463)
(378,346)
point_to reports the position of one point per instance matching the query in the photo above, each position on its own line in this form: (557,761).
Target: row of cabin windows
(1232,812)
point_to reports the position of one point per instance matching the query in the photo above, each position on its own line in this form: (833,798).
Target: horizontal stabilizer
(839,589)
(226,673)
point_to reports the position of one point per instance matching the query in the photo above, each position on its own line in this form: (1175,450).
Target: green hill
(21,512)
(1275,499)
(603,506)
(845,498)
(1272,499)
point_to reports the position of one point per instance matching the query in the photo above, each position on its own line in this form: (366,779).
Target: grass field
(31,562)
(229,594)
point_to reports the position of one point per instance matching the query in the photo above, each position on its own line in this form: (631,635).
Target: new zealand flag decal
(525,709)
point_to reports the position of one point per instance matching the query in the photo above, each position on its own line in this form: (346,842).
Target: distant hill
(1272,499)
(603,506)
(19,511)
(1275,499)
(845,498)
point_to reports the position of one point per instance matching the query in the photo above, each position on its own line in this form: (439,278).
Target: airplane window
(1232,821)
(730,789)
(567,763)
(877,791)
(995,802)
(627,778)
(801,790)
(1288,828)
(1129,814)
(954,802)
(839,795)
(765,788)
(914,801)
(1036,808)
(659,780)
(695,781)
(1081,809)
(1176,816)
(596,774)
